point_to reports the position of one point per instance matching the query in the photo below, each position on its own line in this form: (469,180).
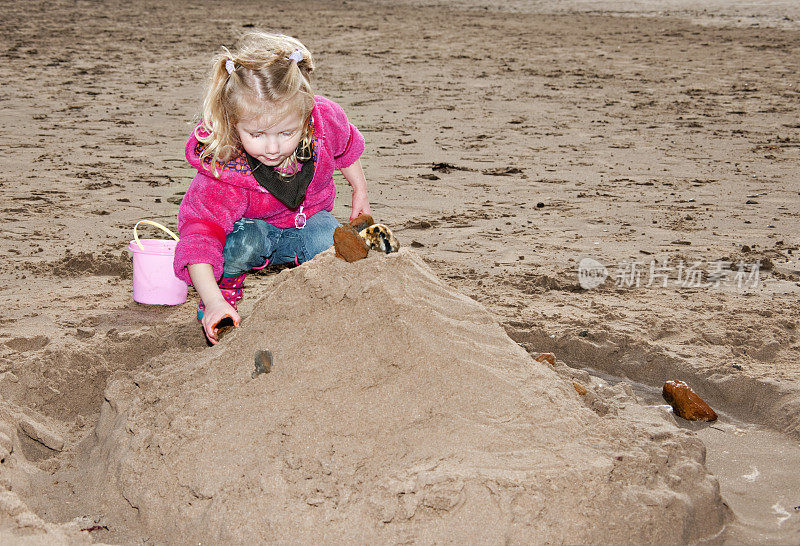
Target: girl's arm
(217,308)
(354,175)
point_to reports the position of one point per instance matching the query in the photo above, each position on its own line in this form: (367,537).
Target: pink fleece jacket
(213,203)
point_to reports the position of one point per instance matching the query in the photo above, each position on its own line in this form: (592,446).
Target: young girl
(265,151)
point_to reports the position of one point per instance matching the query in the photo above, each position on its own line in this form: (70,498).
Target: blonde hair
(264,82)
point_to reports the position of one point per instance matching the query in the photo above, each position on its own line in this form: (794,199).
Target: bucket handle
(136,235)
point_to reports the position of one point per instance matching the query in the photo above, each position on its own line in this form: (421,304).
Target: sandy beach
(615,183)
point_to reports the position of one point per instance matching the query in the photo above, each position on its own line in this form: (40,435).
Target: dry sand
(651,140)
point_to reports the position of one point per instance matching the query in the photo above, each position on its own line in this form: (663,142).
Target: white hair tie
(296,56)
(230,66)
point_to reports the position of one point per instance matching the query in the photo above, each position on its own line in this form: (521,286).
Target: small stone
(686,403)
(263,363)
(580,389)
(583,333)
(736,367)
(547,358)
(539,205)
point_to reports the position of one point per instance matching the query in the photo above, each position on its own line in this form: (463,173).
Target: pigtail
(296,77)
(217,131)
(305,64)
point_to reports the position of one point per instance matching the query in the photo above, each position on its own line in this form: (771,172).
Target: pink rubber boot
(231,288)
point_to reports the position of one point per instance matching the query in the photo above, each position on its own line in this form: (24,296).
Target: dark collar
(290,191)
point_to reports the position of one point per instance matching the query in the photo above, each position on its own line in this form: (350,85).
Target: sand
(506,143)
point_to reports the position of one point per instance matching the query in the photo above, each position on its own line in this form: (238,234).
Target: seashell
(380,237)
(686,403)
(224,326)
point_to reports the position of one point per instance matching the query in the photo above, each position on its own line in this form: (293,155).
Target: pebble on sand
(686,403)
(548,358)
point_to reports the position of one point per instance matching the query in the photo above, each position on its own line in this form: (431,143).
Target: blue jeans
(252,242)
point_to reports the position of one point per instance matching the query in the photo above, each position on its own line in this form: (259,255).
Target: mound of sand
(397,410)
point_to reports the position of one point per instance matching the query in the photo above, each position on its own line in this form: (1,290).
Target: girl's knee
(246,247)
(316,245)
(318,235)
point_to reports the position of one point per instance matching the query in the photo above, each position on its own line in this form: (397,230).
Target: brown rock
(686,403)
(263,363)
(580,389)
(348,244)
(548,358)
(362,221)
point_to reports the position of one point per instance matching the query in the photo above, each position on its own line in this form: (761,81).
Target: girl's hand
(360,205)
(217,308)
(214,313)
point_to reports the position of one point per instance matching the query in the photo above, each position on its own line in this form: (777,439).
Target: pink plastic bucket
(154,281)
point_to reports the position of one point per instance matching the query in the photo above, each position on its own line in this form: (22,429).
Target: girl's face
(271,145)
